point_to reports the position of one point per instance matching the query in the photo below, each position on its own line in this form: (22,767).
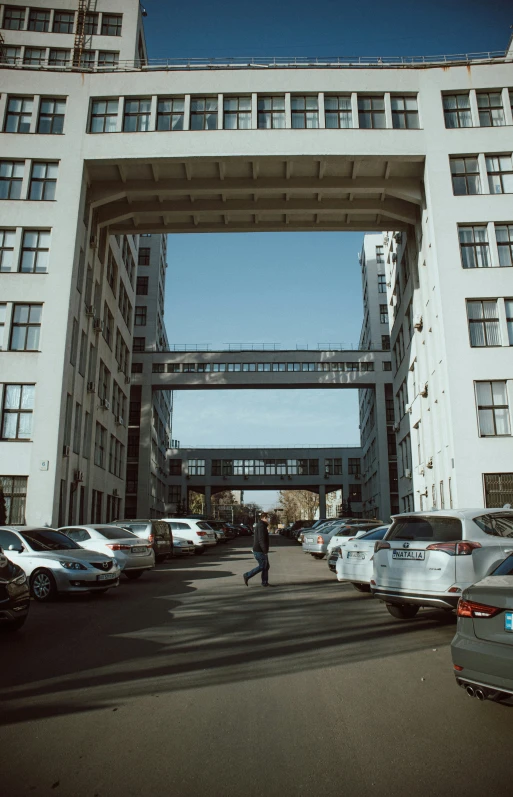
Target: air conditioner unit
(424,391)
(89,310)
(429,463)
(91,387)
(93,241)
(396,426)
(98,325)
(389,284)
(120,420)
(407,473)
(127,380)
(66,451)
(104,404)
(78,476)
(394,257)
(417,322)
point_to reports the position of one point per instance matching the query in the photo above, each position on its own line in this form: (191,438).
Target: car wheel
(318,555)
(404,611)
(15,625)
(42,586)
(362,587)
(199,551)
(133,574)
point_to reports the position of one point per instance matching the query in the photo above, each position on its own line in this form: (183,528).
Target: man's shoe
(268,585)
(246,579)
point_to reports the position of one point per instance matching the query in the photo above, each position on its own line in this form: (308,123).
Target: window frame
(26,325)
(338,112)
(58,12)
(111,22)
(405,113)
(142,117)
(23,117)
(466,175)
(301,114)
(273,113)
(204,114)
(374,113)
(19,411)
(14,180)
(16,14)
(37,249)
(493,407)
(171,115)
(461,111)
(3,248)
(489,109)
(39,20)
(48,184)
(476,246)
(484,321)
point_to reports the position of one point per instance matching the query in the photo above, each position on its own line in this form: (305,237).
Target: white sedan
(133,554)
(355,562)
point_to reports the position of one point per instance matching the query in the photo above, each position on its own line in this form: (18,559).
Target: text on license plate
(355,555)
(508,621)
(140,550)
(105,577)
(409,555)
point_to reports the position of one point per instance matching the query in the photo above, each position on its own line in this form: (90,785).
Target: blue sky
(290,288)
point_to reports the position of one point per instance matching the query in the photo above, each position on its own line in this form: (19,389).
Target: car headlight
(20,580)
(73,566)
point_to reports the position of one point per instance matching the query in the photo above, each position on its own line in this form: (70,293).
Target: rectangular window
(7,238)
(382,283)
(104,115)
(387,365)
(380,259)
(43,181)
(99,445)
(383,314)
(14,18)
(107,59)
(405,112)
(170,113)
(492,409)
(333,467)
(500,174)
(465,176)
(91,24)
(63,22)
(483,323)
(59,57)
(112,272)
(111,24)
(196,467)
(457,110)
(203,113)
(51,116)
(35,252)
(77,428)
(305,111)
(491,112)
(108,326)
(74,343)
(11,55)
(17,412)
(14,489)
(475,250)
(137,116)
(39,20)
(353,466)
(371,112)
(34,56)
(271,113)
(385,342)
(504,235)
(11,177)
(82,357)
(87,59)
(140,317)
(18,115)
(337,111)
(144,256)
(142,286)
(26,327)
(237,113)
(509,320)
(139,344)
(498,489)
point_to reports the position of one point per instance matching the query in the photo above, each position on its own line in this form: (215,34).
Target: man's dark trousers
(263,567)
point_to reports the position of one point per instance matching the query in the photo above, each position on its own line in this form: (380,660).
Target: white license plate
(508,621)
(409,555)
(139,551)
(105,577)
(310,539)
(355,555)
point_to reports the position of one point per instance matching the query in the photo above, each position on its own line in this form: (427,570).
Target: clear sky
(289,288)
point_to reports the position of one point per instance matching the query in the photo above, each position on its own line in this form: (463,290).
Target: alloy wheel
(42,586)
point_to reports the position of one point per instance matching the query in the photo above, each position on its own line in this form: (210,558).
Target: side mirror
(18,550)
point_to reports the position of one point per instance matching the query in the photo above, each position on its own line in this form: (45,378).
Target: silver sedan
(133,554)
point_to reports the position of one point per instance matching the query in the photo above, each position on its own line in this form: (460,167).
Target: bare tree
(298,505)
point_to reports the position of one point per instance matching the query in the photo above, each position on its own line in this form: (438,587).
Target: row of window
(205,368)
(41,185)
(47,20)
(466,174)
(265,467)
(16,55)
(34,250)
(489,110)
(478,242)
(19,114)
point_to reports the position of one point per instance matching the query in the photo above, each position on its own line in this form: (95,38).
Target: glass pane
(245,104)
(27,400)
(177,122)
(12,397)
(411,103)
(35,313)
(486,422)
(230,104)
(494,183)
(332,120)
(331,103)
(459,185)
(211,104)
(9,426)
(279,120)
(21,313)
(211,121)
(297,121)
(264,121)
(264,103)
(474,310)
(297,103)
(312,119)
(449,102)
(18,339)
(490,309)
(346,119)
(230,121)
(474,184)
(33,338)
(502,421)
(379,120)
(484,394)
(477,337)
(311,103)
(499,391)
(465,119)
(25,426)
(507,183)
(27,261)
(463,100)
(493,334)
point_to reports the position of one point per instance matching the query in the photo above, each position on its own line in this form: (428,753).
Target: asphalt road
(187,683)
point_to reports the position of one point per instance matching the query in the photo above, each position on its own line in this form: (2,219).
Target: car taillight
(380,546)
(151,538)
(320,539)
(454,548)
(351,538)
(202,533)
(477,610)
(115,546)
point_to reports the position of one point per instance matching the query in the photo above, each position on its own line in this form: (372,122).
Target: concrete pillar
(388,111)
(483,174)
(382,446)
(322,500)
(508,112)
(144,464)
(474,110)
(208,500)
(354,109)
(187,112)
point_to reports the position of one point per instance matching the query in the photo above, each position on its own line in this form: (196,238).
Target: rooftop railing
(254,447)
(242,347)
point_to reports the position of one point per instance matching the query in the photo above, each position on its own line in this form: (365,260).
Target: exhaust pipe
(480,694)
(470,691)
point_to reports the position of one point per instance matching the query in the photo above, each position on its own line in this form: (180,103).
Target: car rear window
(495,525)
(505,568)
(114,534)
(377,534)
(429,529)
(180,526)
(135,527)
(204,526)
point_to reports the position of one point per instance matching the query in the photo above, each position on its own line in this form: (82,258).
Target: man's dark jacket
(261,537)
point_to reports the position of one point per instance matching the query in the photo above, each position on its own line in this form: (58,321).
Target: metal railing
(276,62)
(254,447)
(242,347)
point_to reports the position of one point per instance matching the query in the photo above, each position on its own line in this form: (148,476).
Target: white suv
(425,559)
(202,535)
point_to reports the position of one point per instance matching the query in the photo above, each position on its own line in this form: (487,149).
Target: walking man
(260,551)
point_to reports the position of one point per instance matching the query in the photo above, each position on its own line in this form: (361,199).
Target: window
(108,326)
(382,283)
(51,116)
(137,116)
(465,176)
(14,18)
(305,111)
(380,259)
(91,24)
(59,57)
(35,252)
(509,319)
(387,365)
(500,174)
(498,489)
(10,55)
(19,115)
(475,251)
(170,113)
(77,428)
(43,181)
(87,59)
(491,112)
(237,113)
(139,344)
(144,256)
(196,467)
(14,489)
(96,506)
(17,412)
(140,317)
(203,113)
(111,25)
(63,22)
(371,112)
(7,238)
(457,110)
(112,272)
(271,113)
(383,314)
(492,409)
(103,382)
(26,327)
(34,56)
(333,467)
(337,111)
(385,342)
(11,177)
(99,445)
(353,466)
(104,116)
(82,357)
(405,112)
(483,323)
(39,20)
(107,59)
(355,493)
(504,235)
(142,286)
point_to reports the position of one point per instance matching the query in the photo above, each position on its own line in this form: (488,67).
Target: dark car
(222,530)
(14,595)
(158,532)
(244,531)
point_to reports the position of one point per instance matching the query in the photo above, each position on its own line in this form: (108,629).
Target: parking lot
(188,683)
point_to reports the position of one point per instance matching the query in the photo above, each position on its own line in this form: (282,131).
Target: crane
(80,32)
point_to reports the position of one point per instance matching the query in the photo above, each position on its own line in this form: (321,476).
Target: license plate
(140,551)
(105,577)
(409,555)
(355,555)
(310,539)
(508,621)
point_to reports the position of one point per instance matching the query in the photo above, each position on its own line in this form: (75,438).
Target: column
(354,109)
(382,452)
(474,110)
(144,465)
(322,117)
(388,111)
(322,500)
(220,112)
(508,113)
(187,112)
(208,500)
(254,111)
(483,174)
(288,112)
(153,113)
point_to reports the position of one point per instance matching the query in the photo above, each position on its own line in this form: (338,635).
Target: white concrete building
(127,151)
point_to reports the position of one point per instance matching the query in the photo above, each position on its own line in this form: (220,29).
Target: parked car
(198,531)
(158,532)
(482,649)
(355,563)
(352,532)
(14,595)
(222,530)
(53,563)
(182,546)
(315,541)
(426,559)
(245,531)
(133,554)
